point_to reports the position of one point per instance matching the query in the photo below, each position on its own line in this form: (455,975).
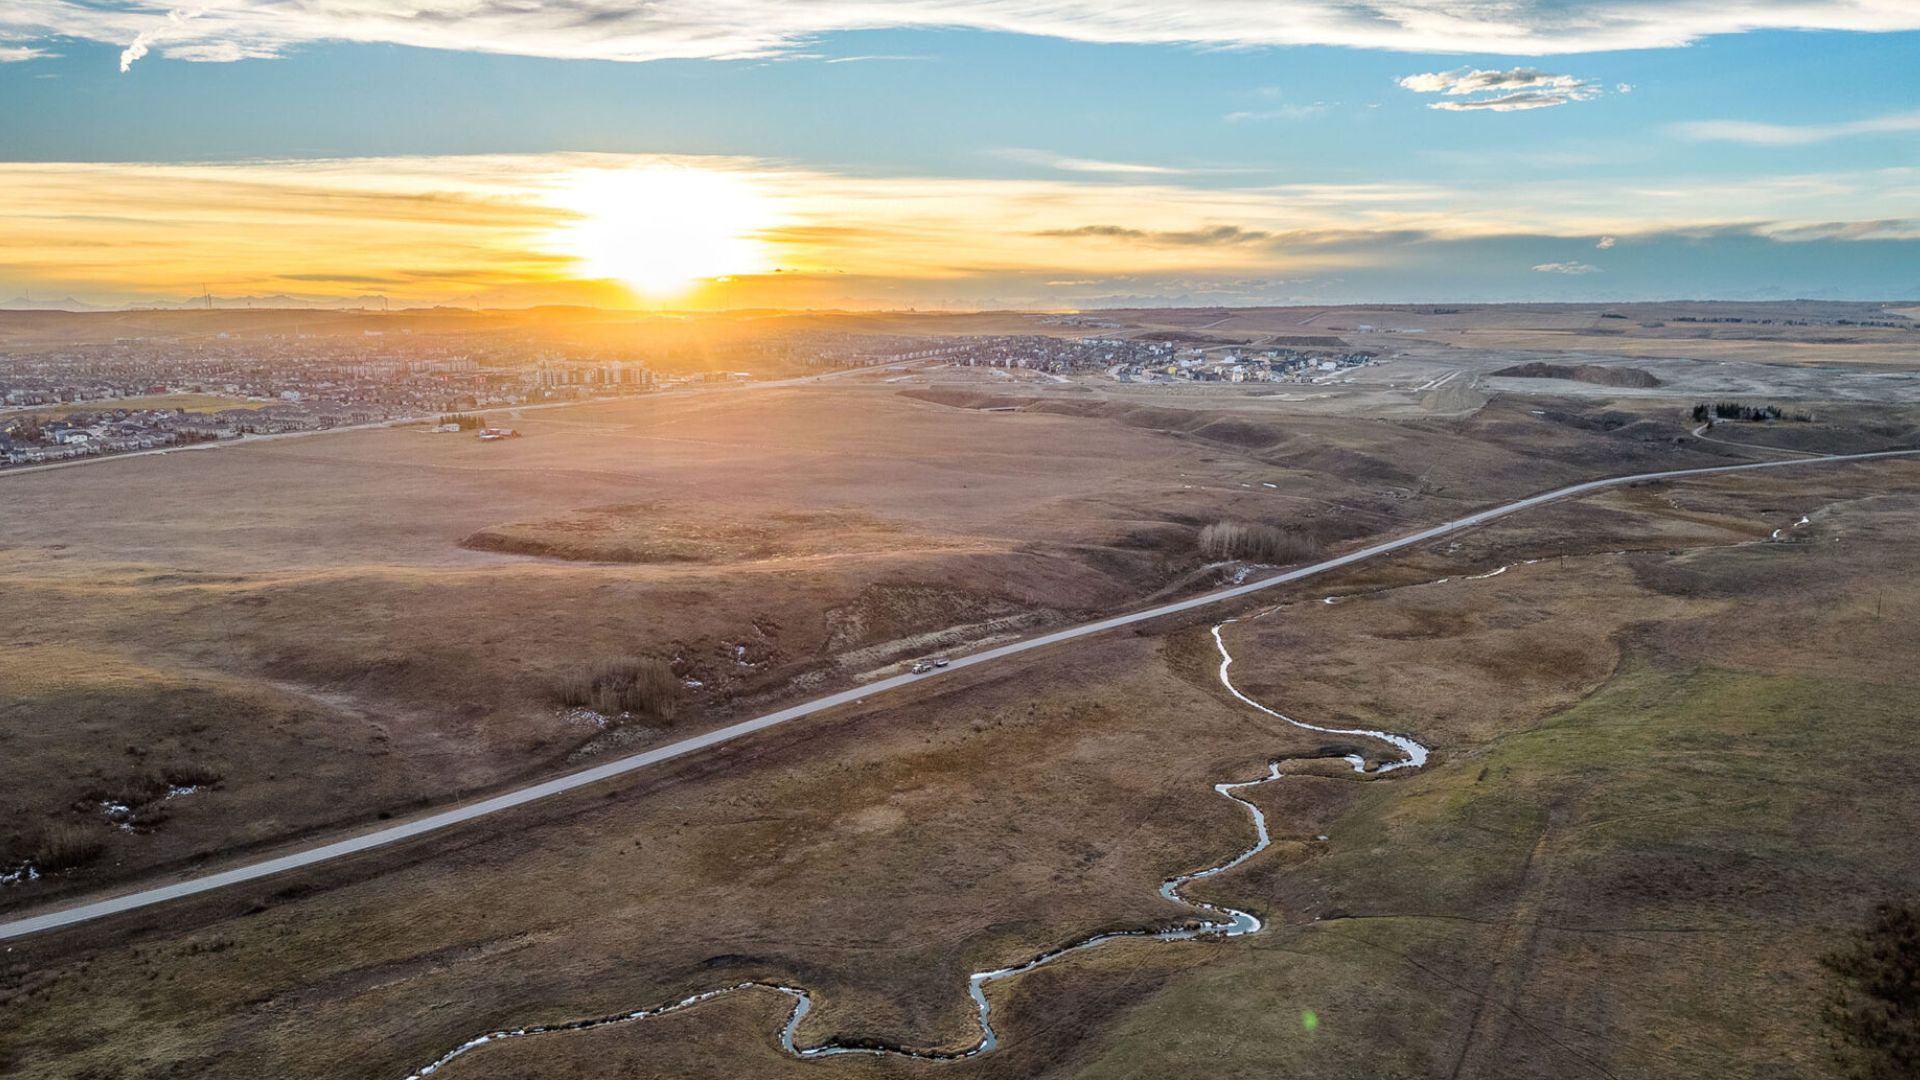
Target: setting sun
(661,229)
(823,509)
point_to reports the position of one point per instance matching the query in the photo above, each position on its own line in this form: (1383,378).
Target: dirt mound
(1596,374)
(1353,466)
(1208,426)
(963,399)
(1187,337)
(1306,341)
(645,533)
(1240,433)
(1610,420)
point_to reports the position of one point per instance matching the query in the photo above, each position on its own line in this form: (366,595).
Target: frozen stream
(1213,920)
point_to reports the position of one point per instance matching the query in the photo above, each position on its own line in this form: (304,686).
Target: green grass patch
(1655,873)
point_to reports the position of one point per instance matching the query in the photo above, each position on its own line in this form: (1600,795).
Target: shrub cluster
(630,685)
(191,773)
(1256,543)
(464,421)
(1874,1013)
(67,845)
(1734,410)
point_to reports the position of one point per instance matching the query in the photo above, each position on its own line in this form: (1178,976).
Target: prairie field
(1648,709)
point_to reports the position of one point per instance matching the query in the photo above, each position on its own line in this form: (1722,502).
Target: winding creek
(1213,921)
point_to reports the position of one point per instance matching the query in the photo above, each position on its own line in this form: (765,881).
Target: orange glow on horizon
(662,229)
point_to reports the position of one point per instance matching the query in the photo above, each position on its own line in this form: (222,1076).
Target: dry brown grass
(66,845)
(651,533)
(191,774)
(878,859)
(335,657)
(640,685)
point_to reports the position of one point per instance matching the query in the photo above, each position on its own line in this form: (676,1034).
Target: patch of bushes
(1753,414)
(134,791)
(194,774)
(642,685)
(67,845)
(1256,543)
(1874,1013)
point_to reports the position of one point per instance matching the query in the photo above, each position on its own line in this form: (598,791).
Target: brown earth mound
(1586,373)
(645,533)
(1306,341)
(1245,433)
(1187,337)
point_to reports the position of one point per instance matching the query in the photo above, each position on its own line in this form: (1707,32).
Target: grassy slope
(341,624)
(1639,887)
(973,826)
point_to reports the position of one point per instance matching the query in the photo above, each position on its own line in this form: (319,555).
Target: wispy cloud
(1519,101)
(456,228)
(1213,236)
(1759,134)
(135,51)
(174,27)
(1088,165)
(14,54)
(1513,90)
(1884,229)
(899,57)
(1606,242)
(1278,112)
(682,29)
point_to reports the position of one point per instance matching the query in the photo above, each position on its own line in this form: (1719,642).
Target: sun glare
(661,230)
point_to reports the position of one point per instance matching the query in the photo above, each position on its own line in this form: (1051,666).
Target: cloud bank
(640,30)
(466,229)
(1514,90)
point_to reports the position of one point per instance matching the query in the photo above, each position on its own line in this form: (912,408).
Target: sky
(967,154)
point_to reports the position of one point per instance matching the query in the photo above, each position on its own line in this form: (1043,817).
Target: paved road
(393,834)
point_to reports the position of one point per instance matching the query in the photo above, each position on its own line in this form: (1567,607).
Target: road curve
(444,819)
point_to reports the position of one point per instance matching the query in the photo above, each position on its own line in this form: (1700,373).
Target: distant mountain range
(65,303)
(279,301)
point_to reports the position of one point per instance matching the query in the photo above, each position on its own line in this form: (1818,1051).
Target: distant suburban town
(93,400)
(87,400)
(1155,358)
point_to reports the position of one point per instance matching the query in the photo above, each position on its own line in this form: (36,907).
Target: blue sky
(1780,160)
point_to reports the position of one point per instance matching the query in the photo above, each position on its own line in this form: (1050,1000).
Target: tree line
(1706,412)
